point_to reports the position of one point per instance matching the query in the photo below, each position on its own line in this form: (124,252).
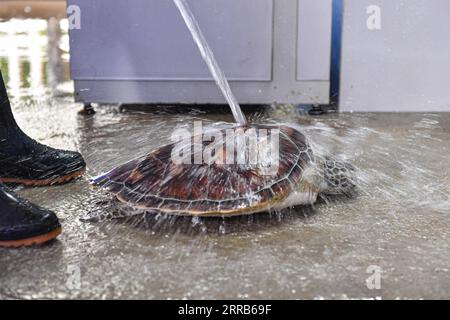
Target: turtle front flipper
(339,177)
(109,210)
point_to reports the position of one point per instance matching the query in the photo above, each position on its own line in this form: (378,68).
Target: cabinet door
(148,40)
(314,39)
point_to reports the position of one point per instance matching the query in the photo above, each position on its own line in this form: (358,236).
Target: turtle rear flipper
(110,210)
(339,177)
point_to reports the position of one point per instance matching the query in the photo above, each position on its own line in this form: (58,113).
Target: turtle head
(339,177)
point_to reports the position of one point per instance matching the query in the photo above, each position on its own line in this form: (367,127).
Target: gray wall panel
(404,66)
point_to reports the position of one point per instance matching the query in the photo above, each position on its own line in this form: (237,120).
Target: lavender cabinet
(140,51)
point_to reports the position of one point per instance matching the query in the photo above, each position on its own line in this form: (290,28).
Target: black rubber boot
(25,161)
(23,223)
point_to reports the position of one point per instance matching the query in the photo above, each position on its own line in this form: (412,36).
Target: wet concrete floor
(398,224)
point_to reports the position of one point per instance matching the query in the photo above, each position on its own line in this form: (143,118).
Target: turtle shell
(157,183)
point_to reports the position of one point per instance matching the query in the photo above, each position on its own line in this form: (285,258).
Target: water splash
(210,60)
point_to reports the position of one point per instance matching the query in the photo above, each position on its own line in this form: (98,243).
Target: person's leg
(23,223)
(25,161)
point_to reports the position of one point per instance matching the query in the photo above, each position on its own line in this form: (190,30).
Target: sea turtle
(157,183)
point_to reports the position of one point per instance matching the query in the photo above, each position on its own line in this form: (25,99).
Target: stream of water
(210,60)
